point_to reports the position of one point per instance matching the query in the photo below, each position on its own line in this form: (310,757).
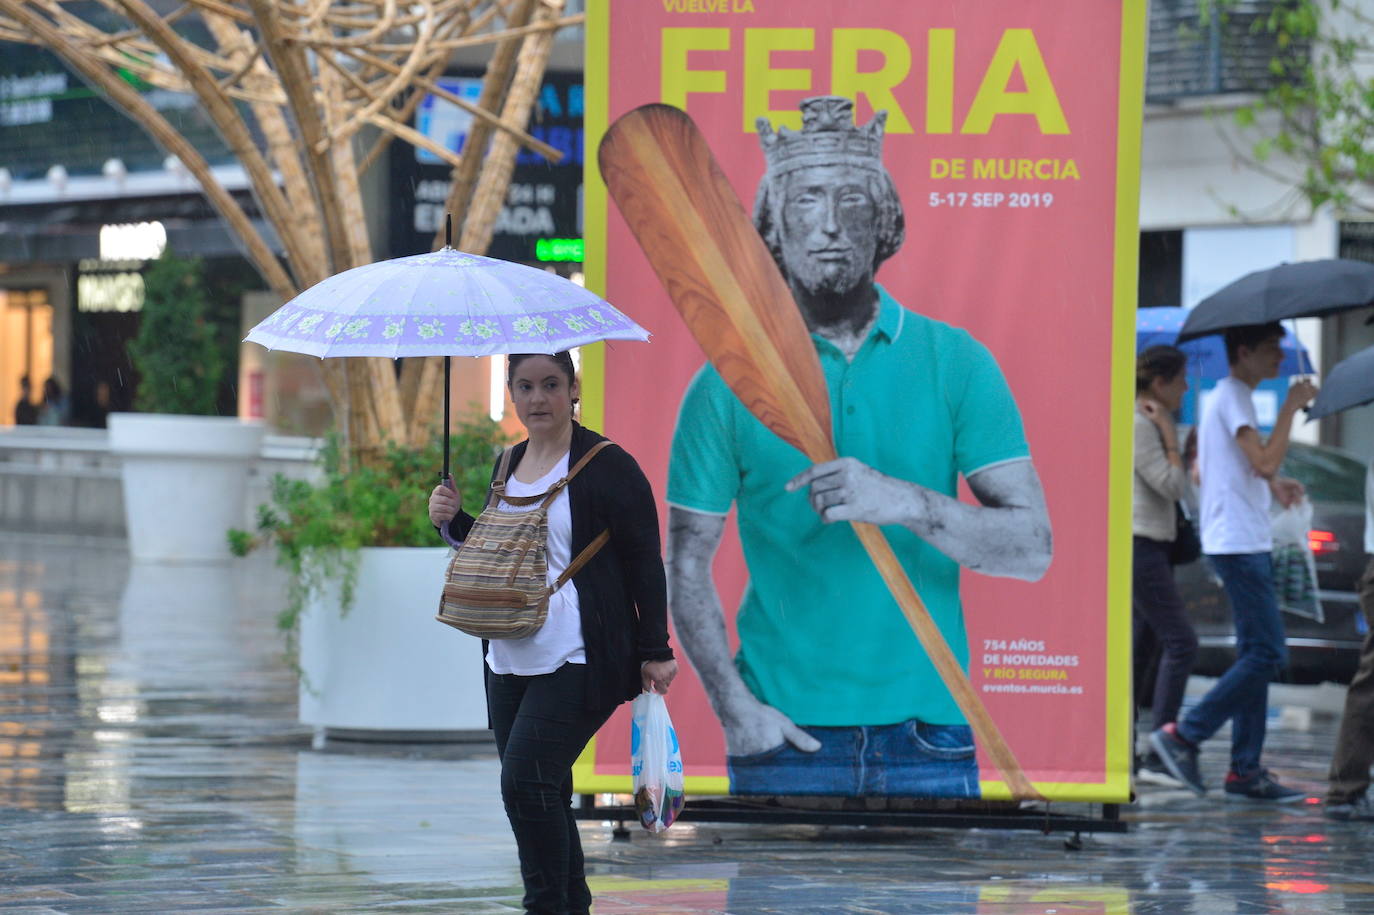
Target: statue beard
(827,280)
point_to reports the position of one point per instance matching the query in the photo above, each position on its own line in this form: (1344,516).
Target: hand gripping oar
(724,282)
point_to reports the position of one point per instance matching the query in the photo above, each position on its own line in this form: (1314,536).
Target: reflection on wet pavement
(150,761)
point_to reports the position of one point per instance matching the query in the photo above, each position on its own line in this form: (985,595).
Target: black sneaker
(1150,770)
(1179,757)
(1260,787)
(1359,809)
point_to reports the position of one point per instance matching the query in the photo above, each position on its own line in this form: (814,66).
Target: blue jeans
(910,759)
(1242,693)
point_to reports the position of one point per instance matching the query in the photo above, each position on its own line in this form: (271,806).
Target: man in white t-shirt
(1239,474)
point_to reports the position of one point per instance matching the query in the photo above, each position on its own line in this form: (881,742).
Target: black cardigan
(622,591)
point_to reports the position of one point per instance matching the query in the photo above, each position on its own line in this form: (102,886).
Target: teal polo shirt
(821,638)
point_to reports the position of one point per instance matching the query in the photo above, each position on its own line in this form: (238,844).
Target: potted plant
(365,568)
(184,470)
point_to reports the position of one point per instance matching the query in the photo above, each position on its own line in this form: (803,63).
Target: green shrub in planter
(318,527)
(178,360)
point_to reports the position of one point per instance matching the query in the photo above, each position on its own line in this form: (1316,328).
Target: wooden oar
(723,280)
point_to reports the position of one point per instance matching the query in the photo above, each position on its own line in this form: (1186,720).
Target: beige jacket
(1158,484)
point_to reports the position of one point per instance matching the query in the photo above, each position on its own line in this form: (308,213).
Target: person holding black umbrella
(1239,476)
(1351,384)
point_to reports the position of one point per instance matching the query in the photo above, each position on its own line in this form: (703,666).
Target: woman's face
(542,396)
(1170,393)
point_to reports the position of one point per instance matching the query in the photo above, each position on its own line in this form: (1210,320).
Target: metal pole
(444,476)
(448,242)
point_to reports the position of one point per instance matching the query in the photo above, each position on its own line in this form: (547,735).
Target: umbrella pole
(448,242)
(443,477)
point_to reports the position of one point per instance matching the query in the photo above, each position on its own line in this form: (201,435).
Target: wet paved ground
(150,762)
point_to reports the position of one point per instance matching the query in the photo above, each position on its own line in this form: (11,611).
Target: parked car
(1317,651)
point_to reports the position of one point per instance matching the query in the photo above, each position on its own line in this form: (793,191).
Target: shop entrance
(25,347)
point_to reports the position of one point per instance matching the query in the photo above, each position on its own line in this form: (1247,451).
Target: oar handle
(914,609)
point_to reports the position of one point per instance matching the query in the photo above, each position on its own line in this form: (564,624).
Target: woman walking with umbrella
(606,636)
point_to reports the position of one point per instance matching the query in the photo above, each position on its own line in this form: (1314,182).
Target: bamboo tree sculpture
(307,95)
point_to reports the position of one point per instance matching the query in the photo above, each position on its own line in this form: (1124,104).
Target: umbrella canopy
(1349,384)
(1206,355)
(1311,289)
(445,303)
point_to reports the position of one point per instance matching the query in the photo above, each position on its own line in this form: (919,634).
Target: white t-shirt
(1235,499)
(559,642)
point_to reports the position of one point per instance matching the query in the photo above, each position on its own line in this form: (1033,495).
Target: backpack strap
(547,496)
(600,540)
(582,559)
(577,468)
(498,482)
(586,459)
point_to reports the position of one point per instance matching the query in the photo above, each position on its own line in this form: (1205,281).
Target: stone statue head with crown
(826,207)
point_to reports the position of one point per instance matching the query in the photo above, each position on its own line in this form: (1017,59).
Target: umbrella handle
(443,474)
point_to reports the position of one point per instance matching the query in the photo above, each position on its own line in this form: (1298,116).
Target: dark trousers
(1349,778)
(1158,607)
(541,727)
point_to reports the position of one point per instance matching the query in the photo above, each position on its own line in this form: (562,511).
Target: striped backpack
(497,584)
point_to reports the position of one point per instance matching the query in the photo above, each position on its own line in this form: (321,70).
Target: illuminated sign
(558,249)
(544,199)
(97,292)
(143,241)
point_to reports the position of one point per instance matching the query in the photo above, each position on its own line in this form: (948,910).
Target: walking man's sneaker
(1260,787)
(1178,756)
(1359,809)
(1151,771)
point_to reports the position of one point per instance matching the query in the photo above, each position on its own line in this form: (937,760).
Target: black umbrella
(1311,289)
(1349,384)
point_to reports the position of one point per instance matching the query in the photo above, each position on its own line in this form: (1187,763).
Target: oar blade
(718,272)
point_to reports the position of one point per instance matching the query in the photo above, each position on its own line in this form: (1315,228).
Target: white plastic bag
(656,763)
(1295,568)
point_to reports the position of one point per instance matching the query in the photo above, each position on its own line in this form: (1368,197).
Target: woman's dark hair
(1250,336)
(1161,361)
(563,360)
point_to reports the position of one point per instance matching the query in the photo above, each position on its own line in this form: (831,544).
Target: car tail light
(1322,541)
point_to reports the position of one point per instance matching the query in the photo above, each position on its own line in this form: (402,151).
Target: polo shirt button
(849,409)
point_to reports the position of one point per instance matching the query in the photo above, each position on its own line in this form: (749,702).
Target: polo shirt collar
(888,325)
(889,321)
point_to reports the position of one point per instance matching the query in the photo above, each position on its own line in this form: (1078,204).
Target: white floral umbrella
(445,303)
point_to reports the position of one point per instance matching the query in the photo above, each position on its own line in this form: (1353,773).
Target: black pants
(1355,743)
(1158,606)
(541,727)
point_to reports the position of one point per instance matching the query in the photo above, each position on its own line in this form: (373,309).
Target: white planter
(184,482)
(386,669)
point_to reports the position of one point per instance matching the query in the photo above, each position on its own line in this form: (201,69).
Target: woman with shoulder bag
(1161,482)
(605,638)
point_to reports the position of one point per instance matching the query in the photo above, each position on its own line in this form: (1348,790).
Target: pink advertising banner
(949,188)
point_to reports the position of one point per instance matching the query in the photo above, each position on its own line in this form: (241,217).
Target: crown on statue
(828,137)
